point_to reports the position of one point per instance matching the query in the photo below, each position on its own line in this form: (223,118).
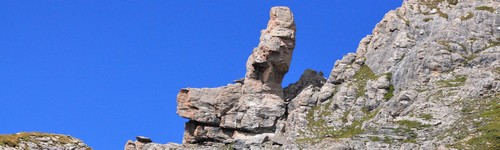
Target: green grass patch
(491,44)
(467,16)
(428,19)
(374,138)
(320,129)
(487,132)
(445,44)
(425,116)
(413,124)
(344,117)
(406,130)
(410,135)
(459,81)
(497,70)
(361,77)
(390,93)
(390,90)
(486,8)
(469,58)
(442,14)
(387,140)
(434,3)
(490,131)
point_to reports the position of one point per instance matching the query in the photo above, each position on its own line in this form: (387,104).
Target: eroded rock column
(247,110)
(270,61)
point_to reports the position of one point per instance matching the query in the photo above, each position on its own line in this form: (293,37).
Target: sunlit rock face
(251,108)
(428,77)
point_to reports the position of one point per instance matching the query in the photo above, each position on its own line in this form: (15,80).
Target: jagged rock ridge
(427,78)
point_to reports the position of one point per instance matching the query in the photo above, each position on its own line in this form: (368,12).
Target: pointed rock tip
(282,14)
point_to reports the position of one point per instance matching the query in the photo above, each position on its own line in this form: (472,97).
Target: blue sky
(106,71)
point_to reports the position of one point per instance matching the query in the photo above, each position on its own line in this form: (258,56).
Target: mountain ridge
(428,77)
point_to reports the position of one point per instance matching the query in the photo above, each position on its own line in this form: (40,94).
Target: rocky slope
(40,141)
(427,78)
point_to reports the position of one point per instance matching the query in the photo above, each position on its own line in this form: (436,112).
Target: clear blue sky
(106,71)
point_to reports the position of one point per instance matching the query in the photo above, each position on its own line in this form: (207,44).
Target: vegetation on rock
(361,77)
(486,8)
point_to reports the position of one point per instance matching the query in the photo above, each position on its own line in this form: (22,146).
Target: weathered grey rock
(308,78)
(415,83)
(438,62)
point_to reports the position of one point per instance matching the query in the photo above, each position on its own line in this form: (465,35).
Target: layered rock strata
(248,110)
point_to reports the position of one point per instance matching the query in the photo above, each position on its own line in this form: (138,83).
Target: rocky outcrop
(36,141)
(415,83)
(249,109)
(428,77)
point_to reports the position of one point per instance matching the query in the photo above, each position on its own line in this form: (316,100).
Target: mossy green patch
(445,44)
(442,14)
(428,19)
(319,128)
(486,8)
(390,93)
(344,117)
(374,138)
(482,118)
(467,16)
(413,124)
(425,116)
(491,44)
(406,129)
(387,140)
(433,4)
(497,70)
(390,90)
(361,77)
(490,130)
(459,81)
(469,58)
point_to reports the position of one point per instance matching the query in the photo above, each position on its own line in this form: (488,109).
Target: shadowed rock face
(248,109)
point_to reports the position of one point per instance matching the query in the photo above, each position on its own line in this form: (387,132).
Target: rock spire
(270,61)
(248,109)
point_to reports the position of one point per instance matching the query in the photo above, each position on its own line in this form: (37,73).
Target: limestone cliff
(428,77)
